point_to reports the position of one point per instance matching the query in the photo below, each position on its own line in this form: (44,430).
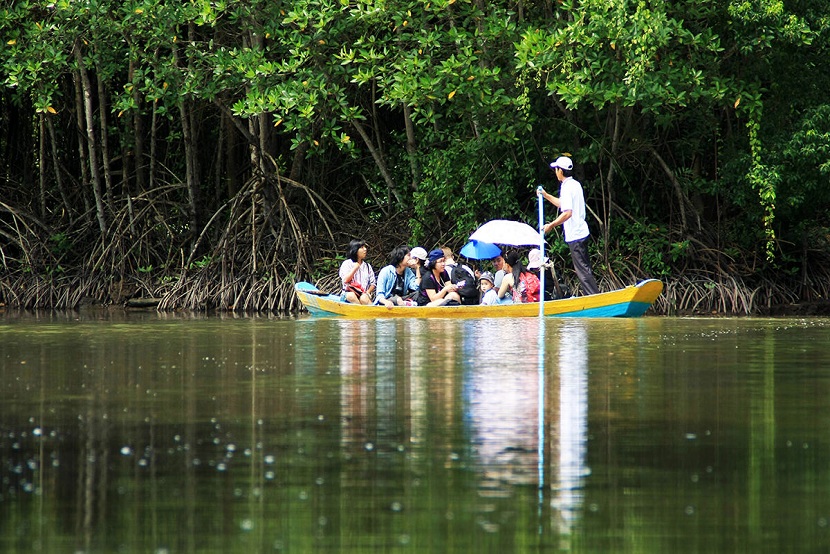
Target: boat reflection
(396,388)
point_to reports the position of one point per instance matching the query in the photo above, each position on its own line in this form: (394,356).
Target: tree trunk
(42,163)
(57,169)
(186,121)
(105,154)
(141,179)
(79,121)
(608,197)
(411,147)
(92,148)
(379,161)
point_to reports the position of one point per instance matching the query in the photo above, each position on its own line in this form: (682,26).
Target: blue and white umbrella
(478,250)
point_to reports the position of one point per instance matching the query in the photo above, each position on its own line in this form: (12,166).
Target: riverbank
(207,291)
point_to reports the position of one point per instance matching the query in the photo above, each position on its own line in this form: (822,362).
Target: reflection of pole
(540,410)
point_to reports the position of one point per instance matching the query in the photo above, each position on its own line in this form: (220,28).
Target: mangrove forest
(207,154)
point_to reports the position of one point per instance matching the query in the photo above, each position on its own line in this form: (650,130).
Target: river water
(173,433)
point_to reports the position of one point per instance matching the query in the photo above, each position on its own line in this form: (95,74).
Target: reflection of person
(357,275)
(436,287)
(489,296)
(396,281)
(571,204)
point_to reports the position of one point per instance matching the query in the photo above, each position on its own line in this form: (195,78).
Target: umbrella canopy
(503,231)
(477,250)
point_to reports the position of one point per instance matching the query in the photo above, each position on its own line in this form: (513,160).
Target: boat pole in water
(540,349)
(541,251)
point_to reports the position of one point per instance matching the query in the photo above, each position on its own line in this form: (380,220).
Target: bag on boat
(355,287)
(532,287)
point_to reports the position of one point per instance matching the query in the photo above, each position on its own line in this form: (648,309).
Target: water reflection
(228,435)
(572,424)
(500,395)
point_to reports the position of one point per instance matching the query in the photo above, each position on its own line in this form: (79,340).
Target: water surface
(175,433)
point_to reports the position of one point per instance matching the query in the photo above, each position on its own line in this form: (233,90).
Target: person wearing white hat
(571,204)
(554,288)
(417,258)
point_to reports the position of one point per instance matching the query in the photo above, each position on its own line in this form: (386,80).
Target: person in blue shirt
(396,283)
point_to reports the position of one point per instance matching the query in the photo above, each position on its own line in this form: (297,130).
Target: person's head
(418,254)
(435,261)
(498,263)
(448,257)
(354,250)
(511,259)
(513,263)
(486,281)
(563,166)
(535,260)
(399,256)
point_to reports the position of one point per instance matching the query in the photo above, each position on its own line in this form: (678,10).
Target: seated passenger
(522,284)
(555,288)
(357,275)
(504,287)
(489,297)
(498,267)
(396,281)
(462,276)
(419,258)
(436,287)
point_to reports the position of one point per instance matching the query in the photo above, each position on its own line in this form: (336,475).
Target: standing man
(571,204)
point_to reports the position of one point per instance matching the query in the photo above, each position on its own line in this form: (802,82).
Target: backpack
(469,291)
(531,286)
(527,289)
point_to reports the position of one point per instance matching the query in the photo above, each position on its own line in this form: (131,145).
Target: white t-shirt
(571,198)
(364,275)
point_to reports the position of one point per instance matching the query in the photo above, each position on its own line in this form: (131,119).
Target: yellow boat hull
(632,301)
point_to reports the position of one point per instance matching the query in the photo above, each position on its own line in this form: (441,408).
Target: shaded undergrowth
(254,248)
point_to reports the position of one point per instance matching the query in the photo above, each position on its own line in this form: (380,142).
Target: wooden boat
(632,301)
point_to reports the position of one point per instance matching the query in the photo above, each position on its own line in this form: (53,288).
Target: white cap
(562,162)
(419,253)
(535,260)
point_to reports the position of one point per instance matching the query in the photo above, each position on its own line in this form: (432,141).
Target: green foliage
(490,95)
(61,244)
(201,263)
(651,246)
(464,184)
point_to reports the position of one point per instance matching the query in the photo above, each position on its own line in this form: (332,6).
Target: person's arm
(550,198)
(348,274)
(434,294)
(506,283)
(372,282)
(410,282)
(561,218)
(384,287)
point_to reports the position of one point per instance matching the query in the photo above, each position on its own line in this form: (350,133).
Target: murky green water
(175,434)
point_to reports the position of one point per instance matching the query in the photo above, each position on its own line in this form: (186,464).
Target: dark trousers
(582,265)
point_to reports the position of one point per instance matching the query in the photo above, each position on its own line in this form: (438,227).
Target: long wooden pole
(541,251)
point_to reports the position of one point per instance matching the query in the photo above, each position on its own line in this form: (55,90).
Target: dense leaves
(255,137)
